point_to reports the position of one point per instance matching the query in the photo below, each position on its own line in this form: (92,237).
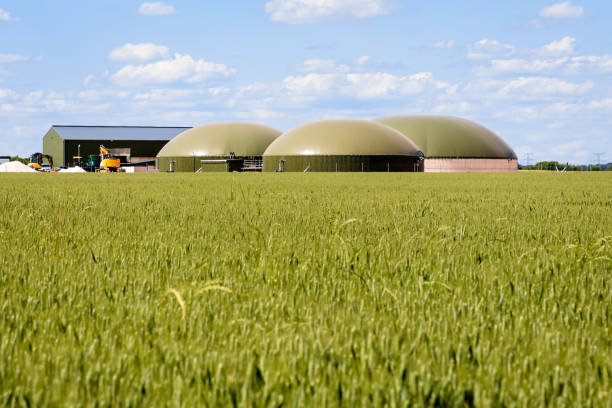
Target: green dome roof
(219,139)
(342,137)
(444,136)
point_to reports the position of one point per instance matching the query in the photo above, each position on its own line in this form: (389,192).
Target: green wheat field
(306,290)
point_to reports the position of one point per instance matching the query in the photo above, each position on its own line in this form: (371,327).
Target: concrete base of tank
(443,165)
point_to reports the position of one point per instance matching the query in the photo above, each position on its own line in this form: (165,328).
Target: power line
(598,155)
(528,158)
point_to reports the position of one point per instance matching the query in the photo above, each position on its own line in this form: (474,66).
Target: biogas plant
(405,143)
(393,144)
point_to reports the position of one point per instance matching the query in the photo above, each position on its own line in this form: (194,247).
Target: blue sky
(536,72)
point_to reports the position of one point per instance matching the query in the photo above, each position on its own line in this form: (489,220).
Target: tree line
(556,166)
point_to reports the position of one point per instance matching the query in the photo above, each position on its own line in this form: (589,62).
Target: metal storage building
(342,145)
(453,144)
(143,142)
(223,146)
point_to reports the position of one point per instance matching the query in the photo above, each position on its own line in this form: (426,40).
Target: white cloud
(382,84)
(139,52)
(518,65)
(258,115)
(327,79)
(7,94)
(453,108)
(50,101)
(88,79)
(101,95)
(567,65)
(479,87)
(5,15)
(36,97)
(258,95)
(561,47)
(255,89)
(444,44)
(219,90)
(562,10)
(528,99)
(183,95)
(603,104)
(307,11)
(487,49)
(311,84)
(7,58)
(372,85)
(602,63)
(556,56)
(181,68)
(565,149)
(322,65)
(541,86)
(156,8)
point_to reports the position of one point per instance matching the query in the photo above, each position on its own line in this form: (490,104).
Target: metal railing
(253,163)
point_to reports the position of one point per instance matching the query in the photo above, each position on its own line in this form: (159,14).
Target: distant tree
(549,165)
(571,167)
(553,166)
(595,168)
(20,159)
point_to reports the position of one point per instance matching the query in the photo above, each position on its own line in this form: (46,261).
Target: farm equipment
(93,163)
(36,161)
(108,163)
(77,160)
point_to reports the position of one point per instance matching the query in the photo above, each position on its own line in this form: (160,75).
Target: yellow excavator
(107,161)
(36,162)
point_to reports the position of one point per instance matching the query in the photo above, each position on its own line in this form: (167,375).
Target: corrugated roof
(118,132)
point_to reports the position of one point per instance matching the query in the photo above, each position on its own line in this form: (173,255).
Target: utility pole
(598,155)
(528,158)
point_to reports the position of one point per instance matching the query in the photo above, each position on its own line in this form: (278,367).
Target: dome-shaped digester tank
(216,142)
(454,144)
(342,145)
